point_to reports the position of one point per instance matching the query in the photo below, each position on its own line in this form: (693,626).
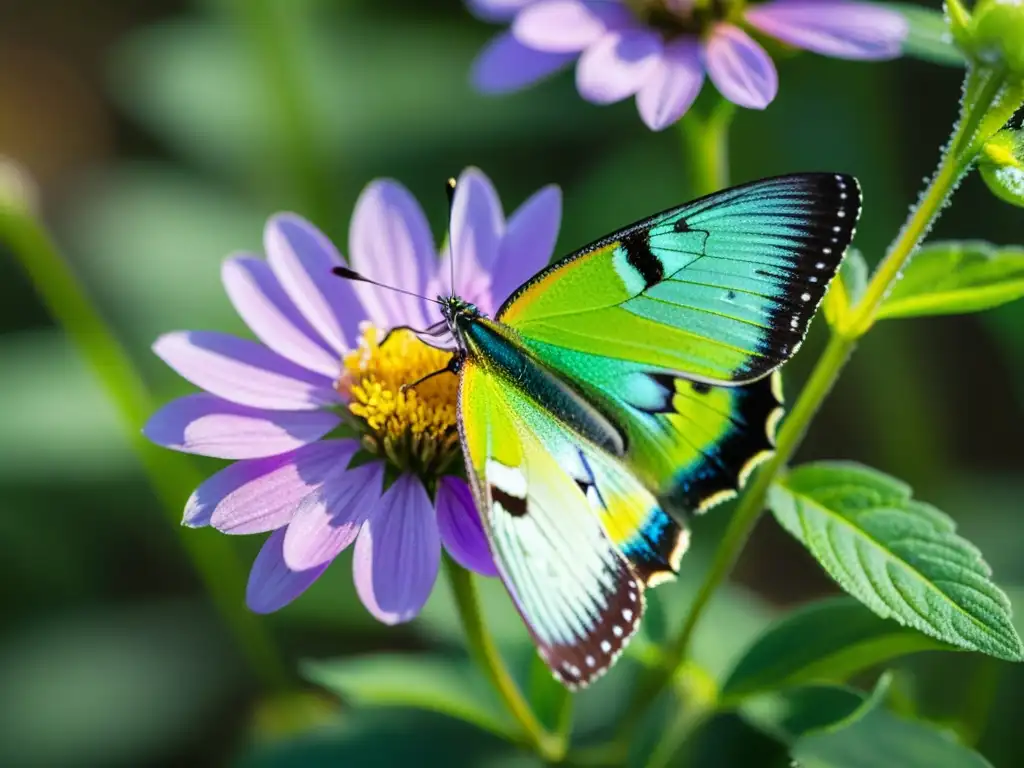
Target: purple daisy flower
(318,365)
(660,50)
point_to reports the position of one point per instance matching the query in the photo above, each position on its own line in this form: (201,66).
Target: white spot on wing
(509,479)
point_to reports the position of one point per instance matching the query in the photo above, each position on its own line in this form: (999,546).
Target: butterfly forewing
(719,290)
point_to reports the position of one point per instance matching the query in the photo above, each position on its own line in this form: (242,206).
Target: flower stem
(706,147)
(272,29)
(485,652)
(982,94)
(171,476)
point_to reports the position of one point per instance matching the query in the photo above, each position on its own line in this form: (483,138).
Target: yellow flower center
(413,427)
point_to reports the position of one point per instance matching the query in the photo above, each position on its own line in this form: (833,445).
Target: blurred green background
(162,133)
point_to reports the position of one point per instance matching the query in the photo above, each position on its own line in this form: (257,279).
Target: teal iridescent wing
(719,290)
(672,326)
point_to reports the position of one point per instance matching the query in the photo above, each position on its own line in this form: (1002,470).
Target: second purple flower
(660,50)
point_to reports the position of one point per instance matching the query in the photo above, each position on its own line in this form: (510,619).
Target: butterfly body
(629,387)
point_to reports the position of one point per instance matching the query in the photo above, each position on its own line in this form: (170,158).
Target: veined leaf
(875,737)
(417,682)
(949,278)
(828,640)
(928,37)
(900,557)
(846,289)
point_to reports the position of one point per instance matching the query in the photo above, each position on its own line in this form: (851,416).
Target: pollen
(414,427)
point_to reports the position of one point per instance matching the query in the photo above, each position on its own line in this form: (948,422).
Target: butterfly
(630,386)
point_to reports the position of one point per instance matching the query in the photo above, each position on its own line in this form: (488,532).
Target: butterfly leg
(436,330)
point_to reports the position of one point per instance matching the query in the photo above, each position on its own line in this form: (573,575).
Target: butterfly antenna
(449,189)
(351,274)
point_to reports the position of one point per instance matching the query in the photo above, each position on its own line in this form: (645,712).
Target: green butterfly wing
(671,327)
(575,536)
(718,290)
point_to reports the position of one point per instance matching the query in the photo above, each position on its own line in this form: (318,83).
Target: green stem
(982,93)
(960,154)
(485,653)
(706,147)
(273,29)
(698,695)
(171,475)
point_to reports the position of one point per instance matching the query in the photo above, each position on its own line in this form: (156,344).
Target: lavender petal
(845,30)
(272,584)
(243,371)
(567,26)
(398,553)
(673,86)
(458,523)
(740,68)
(497,10)
(302,259)
(390,242)
(618,65)
(329,519)
(529,241)
(264,306)
(506,65)
(210,426)
(258,495)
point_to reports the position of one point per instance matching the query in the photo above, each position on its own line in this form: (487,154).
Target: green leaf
(900,557)
(928,37)
(949,278)
(826,641)
(417,682)
(874,737)
(786,715)
(846,289)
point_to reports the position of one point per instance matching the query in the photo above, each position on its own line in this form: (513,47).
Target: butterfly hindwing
(574,536)
(719,290)
(692,444)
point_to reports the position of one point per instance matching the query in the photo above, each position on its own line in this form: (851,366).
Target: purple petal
(209,426)
(458,523)
(506,65)
(302,258)
(567,26)
(243,371)
(673,86)
(846,30)
(528,243)
(740,68)
(260,495)
(617,66)
(266,309)
(497,10)
(390,241)
(272,584)
(398,553)
(478,224)
(328,520)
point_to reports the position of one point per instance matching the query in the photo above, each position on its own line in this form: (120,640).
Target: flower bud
(1002,166)
(996,35)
